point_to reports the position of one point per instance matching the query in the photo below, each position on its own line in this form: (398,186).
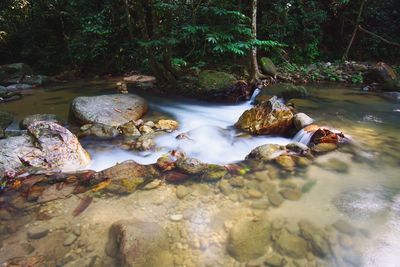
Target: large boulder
(249,238)
(267,66)
(271,117)
(215,80)
(390,86)
(380,73)
(46,145)
(111,110)
(14,72)
(136,243)
(286,91)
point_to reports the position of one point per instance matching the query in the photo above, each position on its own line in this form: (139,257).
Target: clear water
(367,196)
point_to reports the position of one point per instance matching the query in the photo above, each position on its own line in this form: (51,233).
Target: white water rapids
(212,136)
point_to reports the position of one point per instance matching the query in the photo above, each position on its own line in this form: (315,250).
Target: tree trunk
(353,36)
(255,74)
(129,20)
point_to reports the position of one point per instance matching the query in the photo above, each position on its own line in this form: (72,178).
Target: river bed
(365,195)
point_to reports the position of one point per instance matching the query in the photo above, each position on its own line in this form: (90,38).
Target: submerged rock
(335,165)
(39,117)
(249,238)
(112,110)
(46,145)
(291,245)
(136,243)
(286,91)
(271,117)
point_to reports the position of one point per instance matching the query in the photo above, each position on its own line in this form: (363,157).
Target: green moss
(215,80)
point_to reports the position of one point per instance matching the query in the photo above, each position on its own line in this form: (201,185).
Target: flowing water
(365,192)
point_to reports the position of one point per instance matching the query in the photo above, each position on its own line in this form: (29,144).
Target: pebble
(182,191)
(176,217)
(77,230)
(70,239)
(275,199)
(291,194)
(237,181)
(344,227)
(152,185)
(254,193)
(38,232)
(225,187)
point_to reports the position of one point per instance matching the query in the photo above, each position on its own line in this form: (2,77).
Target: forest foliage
(114,36)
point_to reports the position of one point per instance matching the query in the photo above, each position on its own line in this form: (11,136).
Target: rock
(322,148)
(286,91)
(128,176)
(225,187)
(5,120)
(136,243)
(394,96)
(174,176)
(249,238)
(215,80)
(112,110)
(39,117)
(268,67)
(266,152)
(286,162)
(302,120)
(15,71)
(335,165)
(391,86)
(37,232)
(237,181)
(380,73)
(19,86)
(344,227)
(176,217)
(291,194)
(167,125)
(145,129)
(70,239)
(182,191)
(129,129)
(190,165)
(99,130)
(291,245)
(261,204)
(271,117)
(315,237)
(253,193)
(46,145)
(214,172)
(145,142)
(274,260)
(274,198)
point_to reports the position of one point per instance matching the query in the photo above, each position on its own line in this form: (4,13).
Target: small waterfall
(303,137)
(255,94)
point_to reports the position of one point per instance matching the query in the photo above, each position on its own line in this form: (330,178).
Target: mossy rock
(284,90)
(214,172)
(391,86)
(268,67)
(5,119)
(215,80)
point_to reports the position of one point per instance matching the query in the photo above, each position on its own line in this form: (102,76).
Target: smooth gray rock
(37,232)
(111,110)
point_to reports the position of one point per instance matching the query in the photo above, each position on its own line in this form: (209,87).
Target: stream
(366,194)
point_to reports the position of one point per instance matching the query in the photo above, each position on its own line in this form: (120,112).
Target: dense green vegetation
(168,36)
